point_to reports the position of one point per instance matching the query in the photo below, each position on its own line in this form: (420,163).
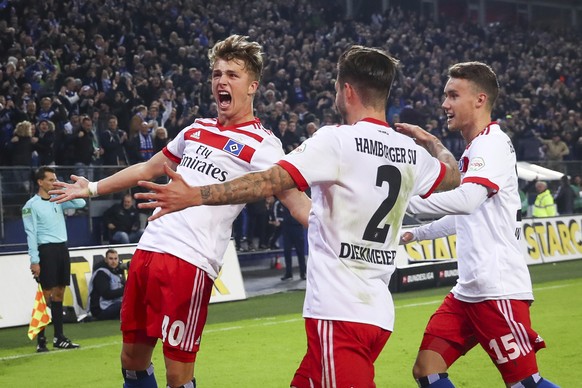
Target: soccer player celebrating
(489,305)
(178,257)
(362,176)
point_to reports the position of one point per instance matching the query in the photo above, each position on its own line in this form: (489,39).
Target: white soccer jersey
(208,153)
(361,179)
(491,264)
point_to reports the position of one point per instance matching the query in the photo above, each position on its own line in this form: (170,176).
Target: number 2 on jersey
(375,231)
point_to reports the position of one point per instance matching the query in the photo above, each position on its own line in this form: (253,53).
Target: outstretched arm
(178,195)
(465,199)
(122,180)
(442,227)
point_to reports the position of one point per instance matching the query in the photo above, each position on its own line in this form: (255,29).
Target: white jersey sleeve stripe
(170,155)
(299,180)
(483,182)
(437,182)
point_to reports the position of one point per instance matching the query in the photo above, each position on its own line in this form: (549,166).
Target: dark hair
(110,250)
(237,47)
(481,75)
(40,172)
(370,71)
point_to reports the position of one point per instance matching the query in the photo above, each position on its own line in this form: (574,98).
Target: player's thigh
(503,328)
(340,354)
(134,304)
(178,299)
(449,331)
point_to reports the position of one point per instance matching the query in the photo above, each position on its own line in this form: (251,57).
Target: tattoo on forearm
(205,192)
(248,188)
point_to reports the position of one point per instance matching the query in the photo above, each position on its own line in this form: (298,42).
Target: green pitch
(260,342)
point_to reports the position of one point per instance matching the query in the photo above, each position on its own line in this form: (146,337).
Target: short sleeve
(316,160)
(175,148)
(267,154)
(488,161)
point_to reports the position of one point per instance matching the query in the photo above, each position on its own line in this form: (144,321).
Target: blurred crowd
(105,82)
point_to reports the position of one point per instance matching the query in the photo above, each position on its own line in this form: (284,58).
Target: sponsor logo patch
(299,149)
(476,164)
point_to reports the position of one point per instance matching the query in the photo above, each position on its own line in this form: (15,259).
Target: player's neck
(230,121)
(476,128)
(360,114)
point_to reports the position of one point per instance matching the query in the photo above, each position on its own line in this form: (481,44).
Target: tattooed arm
(178,195)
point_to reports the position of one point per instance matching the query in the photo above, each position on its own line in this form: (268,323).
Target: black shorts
(55,265)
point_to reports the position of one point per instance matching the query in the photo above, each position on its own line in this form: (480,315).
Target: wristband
(93,189)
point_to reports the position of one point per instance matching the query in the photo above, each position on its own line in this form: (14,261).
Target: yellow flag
(40,317)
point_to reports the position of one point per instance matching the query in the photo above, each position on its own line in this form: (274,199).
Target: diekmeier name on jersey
(367,254)
(377,148)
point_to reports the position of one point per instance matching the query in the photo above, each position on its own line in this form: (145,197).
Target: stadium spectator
(114,145)
(275,210)
(21,147)
(494,292)
(52,109)
(8,120)
(65,137)
(29,111)
(46,234)
(530,147)
(577,187)
(173,125)
(347,292)
(140,148)
(161,139)
(188,247)
(138,121)
(293,238)
(45,142)
(310,129)
(122,222)
(256,228)
(565,197)
(84,150)
(106,287)
(544,205)
(290,138)
(555,149)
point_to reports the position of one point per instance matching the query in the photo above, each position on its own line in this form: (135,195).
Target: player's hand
(406,237)
(171,197)
(64,191)
(419,135)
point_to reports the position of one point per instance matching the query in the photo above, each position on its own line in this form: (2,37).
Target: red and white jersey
(490,261)
(361,177)
(208,153)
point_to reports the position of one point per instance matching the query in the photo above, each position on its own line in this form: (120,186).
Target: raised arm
(178,195)
(122,180)
(434,146)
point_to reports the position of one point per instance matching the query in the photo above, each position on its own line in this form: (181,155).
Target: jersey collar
(376,121)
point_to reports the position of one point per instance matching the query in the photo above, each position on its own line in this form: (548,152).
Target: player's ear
(481,99)
(253,87)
